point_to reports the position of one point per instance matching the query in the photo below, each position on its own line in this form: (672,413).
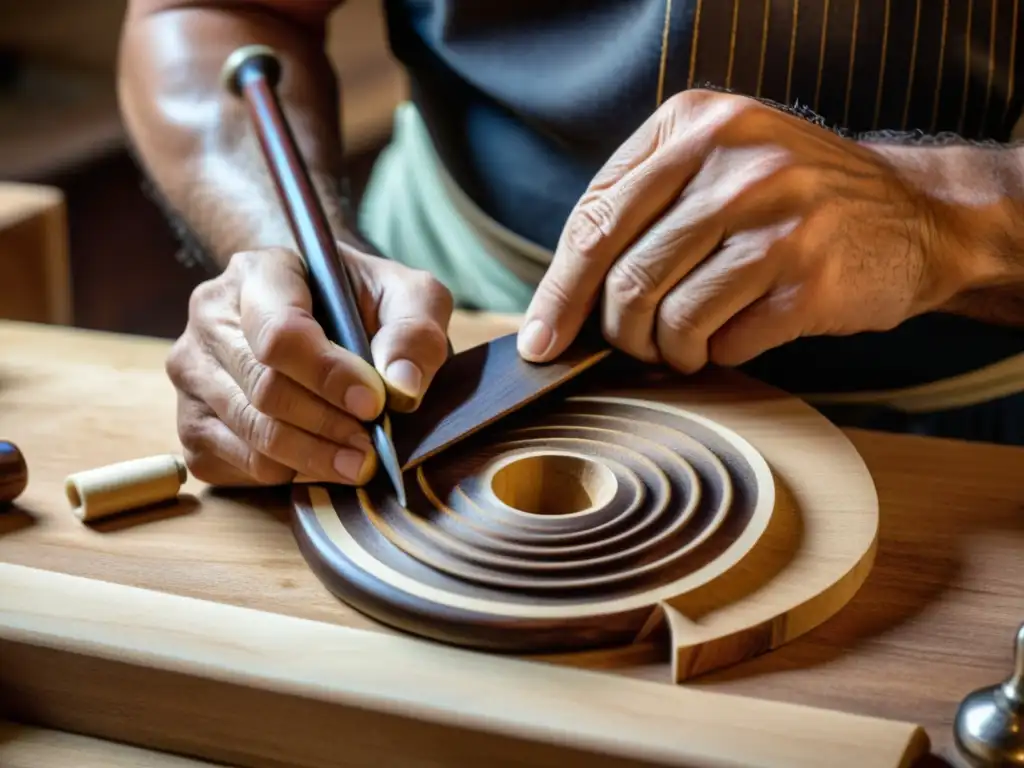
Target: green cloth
(415,214)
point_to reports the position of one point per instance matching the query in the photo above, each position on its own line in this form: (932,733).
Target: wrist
(239,210)
(972,210)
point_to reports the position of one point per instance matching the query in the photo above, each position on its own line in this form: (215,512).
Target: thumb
(413,310)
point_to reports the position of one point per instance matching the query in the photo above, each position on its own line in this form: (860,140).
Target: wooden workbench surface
(934,620)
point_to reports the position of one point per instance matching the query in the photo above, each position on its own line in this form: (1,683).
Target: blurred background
(114,265)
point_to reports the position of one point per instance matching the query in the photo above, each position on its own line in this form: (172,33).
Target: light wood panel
(23,746)
(35,275)
(934,620)
(259,689)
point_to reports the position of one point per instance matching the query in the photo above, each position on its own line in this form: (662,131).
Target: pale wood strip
(23,746)
(259,689)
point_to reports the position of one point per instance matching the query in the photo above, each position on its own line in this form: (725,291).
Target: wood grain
(23,746)
(76,650)
(934,620)
(734,516)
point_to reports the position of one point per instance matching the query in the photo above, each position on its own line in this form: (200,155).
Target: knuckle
(203,466)
(682,342)
(679,100)
(325,423)
(330,376)
(266,389)
(245,420)
(553,292)
(630,285)
(593,221)
(204,294)
(192,435)
(269,436)
(261,432)
(430,287)
(685,101)
(740,121)
(265,471)
(176,362)
(435,341)
(243,261)
(679,328)
(274,339)
(431,342)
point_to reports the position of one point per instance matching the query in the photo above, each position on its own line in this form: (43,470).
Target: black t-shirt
(526,99)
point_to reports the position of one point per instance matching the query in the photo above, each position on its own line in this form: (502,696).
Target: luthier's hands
(263,396)
(723,228)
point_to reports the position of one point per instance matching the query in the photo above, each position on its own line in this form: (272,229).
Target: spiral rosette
(562,533)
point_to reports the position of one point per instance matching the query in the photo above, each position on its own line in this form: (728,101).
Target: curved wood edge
(835,506)
(697,653)
(689,659)
(735,617)
(222,682)
(449,624)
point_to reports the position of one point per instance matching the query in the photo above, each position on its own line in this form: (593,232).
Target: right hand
(264,396)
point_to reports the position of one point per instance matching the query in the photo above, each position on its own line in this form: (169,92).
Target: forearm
(978,193)
(194,139)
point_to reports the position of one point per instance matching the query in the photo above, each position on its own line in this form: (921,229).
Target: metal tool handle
(253,73)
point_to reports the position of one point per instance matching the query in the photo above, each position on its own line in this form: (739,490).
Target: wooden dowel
(105,491)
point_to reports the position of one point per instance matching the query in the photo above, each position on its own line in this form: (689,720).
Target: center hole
(553,484)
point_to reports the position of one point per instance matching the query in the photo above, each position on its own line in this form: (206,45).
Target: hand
(723,228)
(263,395)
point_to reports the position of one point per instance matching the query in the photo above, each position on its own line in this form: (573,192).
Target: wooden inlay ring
(637,502)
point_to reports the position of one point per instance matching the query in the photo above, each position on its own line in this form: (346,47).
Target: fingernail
(361,402)
(350,464)
(405,376)
(535,339)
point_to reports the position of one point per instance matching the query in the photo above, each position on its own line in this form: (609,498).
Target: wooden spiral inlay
(564,532)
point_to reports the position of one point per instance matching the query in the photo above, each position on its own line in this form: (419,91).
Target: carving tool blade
(389,458)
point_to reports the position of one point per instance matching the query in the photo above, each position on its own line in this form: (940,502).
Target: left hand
(723,228)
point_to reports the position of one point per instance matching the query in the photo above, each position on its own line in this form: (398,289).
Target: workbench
(934,620)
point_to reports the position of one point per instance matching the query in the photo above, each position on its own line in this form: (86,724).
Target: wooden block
(259,689)
(35,274)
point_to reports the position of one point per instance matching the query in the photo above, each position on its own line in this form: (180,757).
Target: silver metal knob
(989,725)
